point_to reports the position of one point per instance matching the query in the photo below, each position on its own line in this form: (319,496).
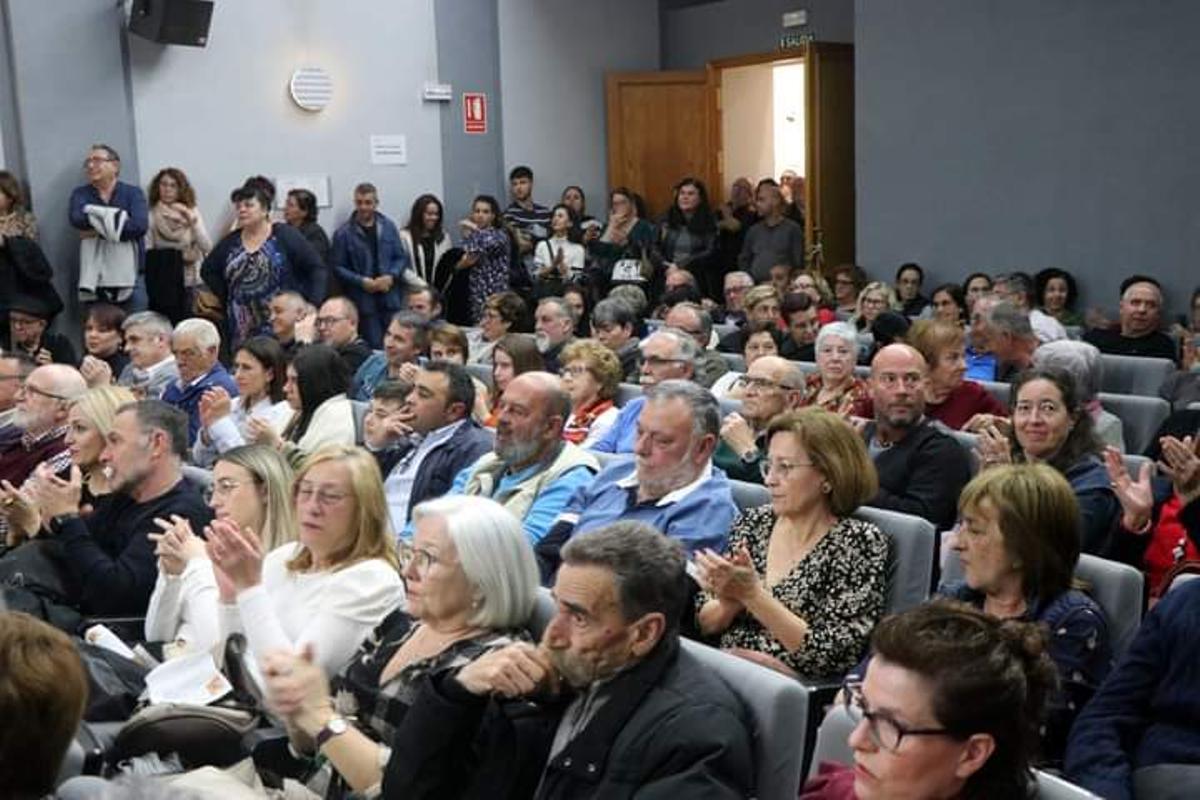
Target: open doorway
(762,120)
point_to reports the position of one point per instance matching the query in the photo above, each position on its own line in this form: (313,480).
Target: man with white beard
(670,483)
(39,423)
(555,327)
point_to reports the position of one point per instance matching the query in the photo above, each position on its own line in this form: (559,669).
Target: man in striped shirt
(530,221)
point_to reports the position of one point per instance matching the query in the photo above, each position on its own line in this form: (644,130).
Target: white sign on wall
(318,184)
(389,149)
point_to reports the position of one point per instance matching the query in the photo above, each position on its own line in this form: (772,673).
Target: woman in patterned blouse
(486,252)
(470,582)
(803,584)
(834,386)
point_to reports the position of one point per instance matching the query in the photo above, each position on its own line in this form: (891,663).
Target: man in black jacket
(111,564)
(921,469)
(635,715)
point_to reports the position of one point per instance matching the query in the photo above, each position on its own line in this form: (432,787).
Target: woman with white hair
(834,386)
(470,583)
(1082,362)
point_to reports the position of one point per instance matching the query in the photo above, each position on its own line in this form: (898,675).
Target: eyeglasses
(573,372)
(87,162)
(416,557)
(783,469)
(225,486)
(659,361)
(763,384)
(324,497)
(325,322)
(28,388)
(885,732)
(25,322)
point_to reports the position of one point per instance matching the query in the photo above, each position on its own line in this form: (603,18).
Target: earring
(825,487)
(477,603)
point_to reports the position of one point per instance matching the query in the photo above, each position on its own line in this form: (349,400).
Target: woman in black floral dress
(802,584)
(470,583)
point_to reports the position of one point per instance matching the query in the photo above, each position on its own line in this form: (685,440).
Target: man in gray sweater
(775,239)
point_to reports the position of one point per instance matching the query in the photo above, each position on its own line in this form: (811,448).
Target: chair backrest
(970,443)
(199,477)
(730,406)
(1120,591)
(1140,417)
(778,708)
(1181,579)
(723,329)
(807,367)
(1052,787)
(1133,464)
(483,372)
(1074,332)
(359,408)
(749,495)
(862,370)
(734,361)
(833,739)
(911,556)
(999,390)
(626,392)
(1134,374)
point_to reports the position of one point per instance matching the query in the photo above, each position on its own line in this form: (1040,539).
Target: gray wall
(223,112)
(468,47)
(696,34)
(553,57)
(1002,134)
(67,90)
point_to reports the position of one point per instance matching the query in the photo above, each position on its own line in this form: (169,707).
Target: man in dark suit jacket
(921,469)
(448,440)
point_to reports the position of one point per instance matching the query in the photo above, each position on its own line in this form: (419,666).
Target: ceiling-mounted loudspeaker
(183,22)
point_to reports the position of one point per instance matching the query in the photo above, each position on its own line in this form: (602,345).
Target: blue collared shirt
(622,436)
(699,515)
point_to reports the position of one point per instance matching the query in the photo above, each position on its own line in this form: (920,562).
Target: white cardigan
(230,430)
(416,257)
(183,608)
(332,611)
(331,423)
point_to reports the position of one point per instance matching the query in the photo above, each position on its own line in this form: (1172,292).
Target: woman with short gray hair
(834,386)
(471,583)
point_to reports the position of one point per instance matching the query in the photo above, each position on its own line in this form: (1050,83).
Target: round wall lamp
(311,88)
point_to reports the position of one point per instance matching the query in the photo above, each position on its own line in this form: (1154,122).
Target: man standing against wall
(774,240)
(530,220)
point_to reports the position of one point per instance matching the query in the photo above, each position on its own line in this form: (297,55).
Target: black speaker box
(172,21)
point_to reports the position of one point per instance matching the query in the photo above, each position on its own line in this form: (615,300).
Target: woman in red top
(590,374)
(956,403)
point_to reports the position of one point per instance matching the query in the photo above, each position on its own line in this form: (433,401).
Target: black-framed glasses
(28,388)
(763,384)
(885,731)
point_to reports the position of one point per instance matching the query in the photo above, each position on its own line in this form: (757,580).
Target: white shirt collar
(631,480)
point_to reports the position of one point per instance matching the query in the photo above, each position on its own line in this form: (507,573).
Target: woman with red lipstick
(956,403)
(949,707)
(1051,424)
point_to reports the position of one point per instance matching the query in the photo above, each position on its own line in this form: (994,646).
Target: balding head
(46,397)
(337,322)
(530,419)
(772,385)
(898,377)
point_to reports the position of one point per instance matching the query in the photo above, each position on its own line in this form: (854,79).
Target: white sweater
(183,608)
(334,611)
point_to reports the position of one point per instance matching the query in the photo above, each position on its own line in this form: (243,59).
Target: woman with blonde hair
(329,588)
(803,582)
(252,489)
(590,374)
(89,420)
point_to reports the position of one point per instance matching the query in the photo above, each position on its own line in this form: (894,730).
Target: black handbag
(34,580)
(164,283)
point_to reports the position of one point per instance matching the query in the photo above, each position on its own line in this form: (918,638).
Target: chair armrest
(131,630)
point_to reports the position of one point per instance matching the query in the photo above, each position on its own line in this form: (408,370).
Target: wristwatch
(335,727)
(58,521)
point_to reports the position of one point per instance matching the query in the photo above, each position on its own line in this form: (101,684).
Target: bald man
(771,386)
(532,472)
(39,423)
(921,469)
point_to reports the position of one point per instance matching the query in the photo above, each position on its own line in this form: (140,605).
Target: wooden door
(829,124)
(659,130)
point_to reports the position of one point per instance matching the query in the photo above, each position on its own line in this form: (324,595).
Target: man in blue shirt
(667,354)
(102,166)
(532,471)
(195,344)
(670,483)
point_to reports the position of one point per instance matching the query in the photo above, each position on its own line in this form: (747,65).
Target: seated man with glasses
(949,707)
(667,354)
(29,317)
(771,386)
(39,425)
(670,483)
(14,368)
(337,326)
(196,344)
(921,469)
(697,323)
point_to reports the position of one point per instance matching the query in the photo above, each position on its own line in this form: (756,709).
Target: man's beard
(516,452)
(29,422)
(132,480)
(543,342)
(904,420)
(580,673)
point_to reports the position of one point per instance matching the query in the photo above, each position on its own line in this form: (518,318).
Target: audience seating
(911,559)
(1133,464)
(1134,374)
(1074,332)
(1001,391)
(970,443)
(626,392)
(1118,588)
(807,367)
(735,361)
(730,406)
(724,329)
(199,477)
(1140,417)
(832,745)
(749,495)
(483,372)
(1181,579)
(863,370)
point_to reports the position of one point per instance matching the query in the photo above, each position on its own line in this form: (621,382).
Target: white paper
(102,636)
(389,149)
(317,183)
(188,679)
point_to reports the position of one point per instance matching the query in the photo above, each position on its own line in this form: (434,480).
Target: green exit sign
(791,41)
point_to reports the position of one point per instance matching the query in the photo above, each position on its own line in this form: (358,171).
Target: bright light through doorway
(788,114)
(762,120)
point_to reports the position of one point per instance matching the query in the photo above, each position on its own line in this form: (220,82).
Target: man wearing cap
(29,315)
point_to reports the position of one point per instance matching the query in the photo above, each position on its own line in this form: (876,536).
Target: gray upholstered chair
(1140,417)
